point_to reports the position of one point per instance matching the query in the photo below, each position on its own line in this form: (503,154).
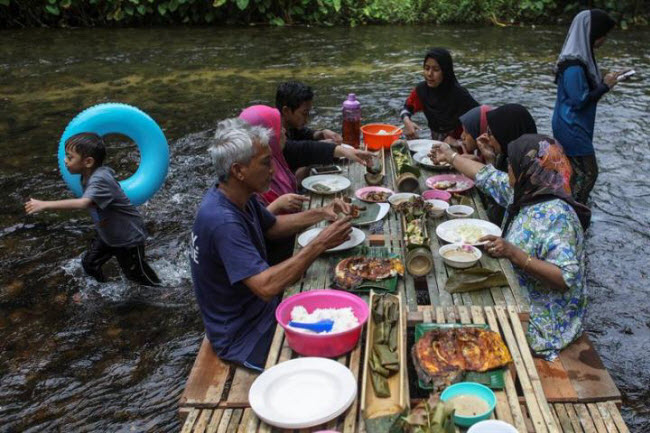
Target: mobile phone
(327,169)
(626,75)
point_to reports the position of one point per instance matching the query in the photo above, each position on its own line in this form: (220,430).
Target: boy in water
(120,228)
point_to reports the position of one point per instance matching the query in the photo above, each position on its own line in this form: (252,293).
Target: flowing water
(81,356)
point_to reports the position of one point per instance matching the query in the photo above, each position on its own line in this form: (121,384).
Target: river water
(80,356)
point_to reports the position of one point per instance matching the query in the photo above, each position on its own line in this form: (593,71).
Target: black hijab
(509,122)
(542,173)
(443,105)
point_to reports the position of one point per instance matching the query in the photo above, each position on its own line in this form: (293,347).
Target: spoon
(324,325)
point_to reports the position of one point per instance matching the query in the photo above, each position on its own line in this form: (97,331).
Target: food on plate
(384,358)
(441,356)
(355,210)
(377,196)
(468,405)
(321,187)
(460,254)
(343,318)
(468,234)
(352,271)
(414,207)
(444,184)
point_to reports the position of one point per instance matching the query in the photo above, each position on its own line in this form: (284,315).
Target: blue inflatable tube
(123,119)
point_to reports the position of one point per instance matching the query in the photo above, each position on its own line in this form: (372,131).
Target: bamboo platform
(566,396)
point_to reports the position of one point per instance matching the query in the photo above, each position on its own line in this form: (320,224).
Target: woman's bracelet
(528,260)
(453,157)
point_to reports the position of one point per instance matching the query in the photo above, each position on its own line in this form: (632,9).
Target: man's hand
(363,157)
(441,153)
(486,149)
(328,135)
(335,234)
(410,128)
(332,210)
(33,206)
(289,203)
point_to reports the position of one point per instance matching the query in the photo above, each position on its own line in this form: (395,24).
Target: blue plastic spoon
(324,325)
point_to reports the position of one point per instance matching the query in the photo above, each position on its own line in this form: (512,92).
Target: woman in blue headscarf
(580,86)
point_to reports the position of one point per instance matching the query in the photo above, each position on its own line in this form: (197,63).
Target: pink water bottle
(352,121)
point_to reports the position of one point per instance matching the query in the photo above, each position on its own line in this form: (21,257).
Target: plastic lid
(351,103)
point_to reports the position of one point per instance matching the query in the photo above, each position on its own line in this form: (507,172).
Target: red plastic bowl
(375,141)
(323,345)
(436,194)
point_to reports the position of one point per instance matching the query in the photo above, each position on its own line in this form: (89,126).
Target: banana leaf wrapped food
(384,358)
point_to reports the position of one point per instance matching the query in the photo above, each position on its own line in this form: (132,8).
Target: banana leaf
(385,355)
(380,385)
(365,216)
(475,279)
(375,365)
(392,339)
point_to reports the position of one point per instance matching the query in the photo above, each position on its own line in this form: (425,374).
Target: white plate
(302,392)
(448,231)
(422,158)
(335,182)
(356,238)
(383,211)
(422,145)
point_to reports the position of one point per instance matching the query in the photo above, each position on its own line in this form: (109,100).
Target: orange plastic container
(374,140)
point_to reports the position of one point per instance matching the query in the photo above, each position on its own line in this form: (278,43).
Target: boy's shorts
(131,260)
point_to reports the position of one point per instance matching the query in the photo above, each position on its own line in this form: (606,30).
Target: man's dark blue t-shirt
(227,246)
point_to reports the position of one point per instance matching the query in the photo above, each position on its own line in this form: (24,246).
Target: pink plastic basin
(436,194)
(324,345)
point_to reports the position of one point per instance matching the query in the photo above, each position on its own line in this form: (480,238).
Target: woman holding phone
(580,86)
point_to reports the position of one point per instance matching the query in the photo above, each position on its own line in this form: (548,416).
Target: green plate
(492,379)
(367,216)
(389,285)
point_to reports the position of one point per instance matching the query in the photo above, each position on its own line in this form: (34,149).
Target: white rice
(343,318)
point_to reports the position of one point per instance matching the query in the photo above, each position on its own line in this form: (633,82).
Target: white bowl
(460,263)
(454,211)
(396,199)
(439,207)
(492,426)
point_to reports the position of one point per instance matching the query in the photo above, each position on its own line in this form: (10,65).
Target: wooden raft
(603,417)
(522,402)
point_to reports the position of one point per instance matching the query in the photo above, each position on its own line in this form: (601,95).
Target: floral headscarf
(542,173)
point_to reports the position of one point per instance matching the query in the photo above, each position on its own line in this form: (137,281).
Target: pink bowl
(436,194)
(324,345)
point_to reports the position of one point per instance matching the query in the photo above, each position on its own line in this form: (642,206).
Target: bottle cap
(351,103)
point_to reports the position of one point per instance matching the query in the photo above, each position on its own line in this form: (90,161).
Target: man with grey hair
(236,289)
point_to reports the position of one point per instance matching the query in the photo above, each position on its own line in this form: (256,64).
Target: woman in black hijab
(442,99)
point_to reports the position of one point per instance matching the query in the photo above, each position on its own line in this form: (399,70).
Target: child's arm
(33,206)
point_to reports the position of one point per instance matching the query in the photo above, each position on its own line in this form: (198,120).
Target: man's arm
(290,224)
(33,206)
(275,279)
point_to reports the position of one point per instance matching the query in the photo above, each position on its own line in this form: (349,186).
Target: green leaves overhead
(319,12)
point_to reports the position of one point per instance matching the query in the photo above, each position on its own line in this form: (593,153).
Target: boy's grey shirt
(118,222)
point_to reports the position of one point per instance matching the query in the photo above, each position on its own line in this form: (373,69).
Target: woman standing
(442,99)
(543,235)
(579,88)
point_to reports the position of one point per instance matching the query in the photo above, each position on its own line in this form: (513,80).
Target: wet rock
(627,330)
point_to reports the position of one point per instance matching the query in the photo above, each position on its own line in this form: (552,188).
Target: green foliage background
(87,13)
